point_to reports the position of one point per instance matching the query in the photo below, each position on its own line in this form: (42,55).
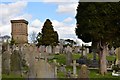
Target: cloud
(64,6)
(64,29)
(69,19)
(6,30)
(11,11)
(58,1)
(36,23)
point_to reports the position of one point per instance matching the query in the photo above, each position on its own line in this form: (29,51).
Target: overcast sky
(60,12)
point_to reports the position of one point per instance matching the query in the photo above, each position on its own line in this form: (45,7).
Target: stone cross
(74,69)
(55,69)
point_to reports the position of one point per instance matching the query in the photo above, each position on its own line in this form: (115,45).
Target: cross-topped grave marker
(75,69)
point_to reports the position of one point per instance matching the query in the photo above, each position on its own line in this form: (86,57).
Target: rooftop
(19,21)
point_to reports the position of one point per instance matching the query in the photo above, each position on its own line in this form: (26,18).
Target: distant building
(19,31)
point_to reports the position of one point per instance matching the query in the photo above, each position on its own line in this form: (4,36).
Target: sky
(61,13)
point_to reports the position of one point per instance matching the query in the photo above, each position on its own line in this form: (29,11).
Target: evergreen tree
(48,36)
(99,22)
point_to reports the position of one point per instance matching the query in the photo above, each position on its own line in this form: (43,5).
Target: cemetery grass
(94,75)
(12,77)
(61,58)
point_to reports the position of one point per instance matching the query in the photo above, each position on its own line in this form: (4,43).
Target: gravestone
(111,51)
(68,56)
(87,50)
(0,47)
(49,49)
(61,48)
(44,70)
(74,69)
(32,70)
(84,53)
(6,62)
(57,49)
(77,49)
(69,74)
(62,68)
(15,62)
(117,52)
(84,73)
(55,67)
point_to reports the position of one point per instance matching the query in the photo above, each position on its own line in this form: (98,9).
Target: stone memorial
(87,50)
(111,51)
(68,56)
(84,73)
(16,62)
(57,49)
(69,74)
(55,67)
(75,69)
(117,52)
(6,62)
(61,48)
(62,68)
(49,49)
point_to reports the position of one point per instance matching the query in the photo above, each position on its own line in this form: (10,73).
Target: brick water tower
(19,31)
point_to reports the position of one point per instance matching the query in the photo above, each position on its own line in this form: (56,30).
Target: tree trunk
(102,60)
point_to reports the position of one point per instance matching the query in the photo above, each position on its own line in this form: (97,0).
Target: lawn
(12,77)
(93,73)
(61,58)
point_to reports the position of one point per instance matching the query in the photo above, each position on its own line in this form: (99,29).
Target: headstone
(74,69)
(84,73)
(49,49)
(32,70)
(6,62)
(61,48)
(77,49)
(55,66)
(84,53)
(87,50)
(111,51)
(68,56)
(68,75)
(44,70)
(117,52)
(16,62)
(0,47)
(57,49)
(68,49)
(43,52)
(62,68)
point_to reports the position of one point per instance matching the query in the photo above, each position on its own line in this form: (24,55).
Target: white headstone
(68,49)
(57,49)
(87,50)
(49,49)
(74,67)
(84,53)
